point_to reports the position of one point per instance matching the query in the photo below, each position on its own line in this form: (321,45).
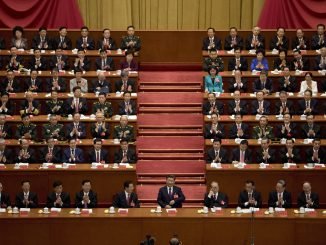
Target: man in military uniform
(54,106)
(124,130)
(102,106)
(26,130)
(131,42)
(213,61)
(263,130)
(53,129)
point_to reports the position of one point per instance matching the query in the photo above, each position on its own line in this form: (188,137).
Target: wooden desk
(231,180)
(106,182)
(191,227)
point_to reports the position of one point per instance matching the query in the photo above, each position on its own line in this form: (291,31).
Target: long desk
(231,180)
(191,227)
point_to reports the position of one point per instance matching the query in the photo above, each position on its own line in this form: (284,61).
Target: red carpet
(173,98)
(173,76)
(169,119)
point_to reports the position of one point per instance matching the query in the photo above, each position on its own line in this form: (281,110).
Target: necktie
(76,105)
(249,196)
(307,104)
(217,153)
(214,197)
(50,151)
(1,128)
(103,64)
(279,198)
(128,198)
(97,156)
(238,126)
(170,191)
(242,156)
(307,197)
(85,203)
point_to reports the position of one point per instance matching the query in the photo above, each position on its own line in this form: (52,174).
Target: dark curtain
(37,13)
(292,13)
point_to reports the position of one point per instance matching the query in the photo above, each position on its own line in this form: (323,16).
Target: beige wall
(170,14)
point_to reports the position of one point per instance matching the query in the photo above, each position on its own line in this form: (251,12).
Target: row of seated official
(266,153)
(53,153)
(169,196)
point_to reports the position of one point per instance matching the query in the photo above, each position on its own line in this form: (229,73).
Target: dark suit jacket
(259,156)
(19,60)
(304,67)
(53,62)
(43,64)
(296,43)
(214,135)
(4,200)
(164,198)
(105,86)
(112,45)
(85,67)
(211,155)
(268,85)
(120,200)
(277,64)
(296,156)
(122,108)
(228,42)
(52,197)
(7,157)
(315,42)
(109,64)
(292,87)
(255,106)
(221,200)
(61,82)
(2,43)
(234,131)
(273,198)
(243,89)
(274,41)
(36,41)
(90,42)
(243,198)
(261,40)
(103,155)
(56,43)
(119,83)
(133,65)
(10,108)
(79,156)
(131,156)
(81,129)
(305,130)
(102,134)
(38,84)
(82,106)
(32,198)
(56,154)
(243,107)
(302,106)
(217,43)
(302,200)
(292,134)
(16,86)
(321,155)
(236,155)
(207,107)
(317,62)
(289,105)
(243,62)
(92,197)
(31,159)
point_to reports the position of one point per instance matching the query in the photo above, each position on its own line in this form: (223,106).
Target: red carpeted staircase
(170,141)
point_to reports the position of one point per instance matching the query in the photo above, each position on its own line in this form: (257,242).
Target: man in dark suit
(300,41)
(76,104)
(26,198)
(237,106)
(62,41)
(289,154)
(55,82)
(2,43)
(50,153)
(14,62)
(299,63)
(58,198)
(125,154)
(238,62)
(4,198)
(260,106)
(41,41)
(263,83)
(125,84)
(104,62)
(170,195)
(216,154)
(101,85)
(10,84)
(255,40)
(76,129)
(81,63)
(211,41)
(316,153)
(126,198)
(85,42)
(233,40)
(280,198)
(320,60)
(6,105)
(279,41)
(33,83)
(38,62)
(287,82)
(5,153)
(307,198)
(307,105)
(319,39)
(310,130)
(215,198)
(25,153)
(249,197)
(59,61)
(242,154)
(214,130)
(238,83)
(239,129)
(212,105)
(72,154)
(86,198)
(284,105)
(265,154)
(5,129)
(127,106)
(287,129)
(106,42)
(98,154)
(100,129)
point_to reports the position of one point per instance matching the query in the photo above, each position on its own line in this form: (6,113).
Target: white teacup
(238,210)
(15,210)
(77,210)
(301,210)
(111,209)
(158,209)
(271,210)
(45,210)
(205,209)
(286,165)
(262,165)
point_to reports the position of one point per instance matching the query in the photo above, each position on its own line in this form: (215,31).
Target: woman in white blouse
(308,83)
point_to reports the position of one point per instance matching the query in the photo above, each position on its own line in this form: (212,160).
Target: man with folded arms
(280,198)
(58,198)
(127,198)
(215,198)
(26,198)
(86,198)
(170,196)
(249,197)
(307,198)
(216,154)
(4,198)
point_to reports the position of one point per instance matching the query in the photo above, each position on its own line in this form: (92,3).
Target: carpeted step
(170,156)
(162,88)
(162,180)
(170,132)
(169,109)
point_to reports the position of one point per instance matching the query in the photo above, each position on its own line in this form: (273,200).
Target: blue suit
(254,62)
(79,157)
(217,86)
